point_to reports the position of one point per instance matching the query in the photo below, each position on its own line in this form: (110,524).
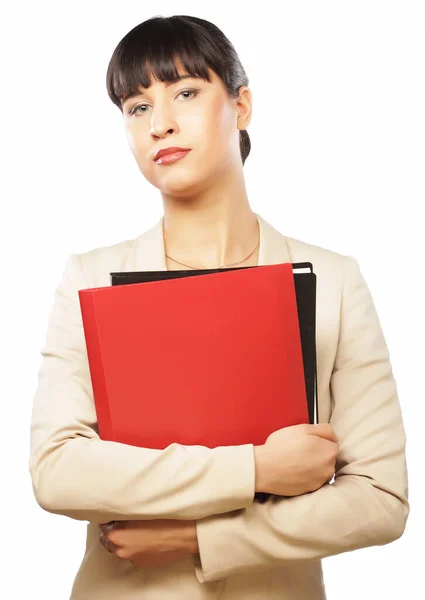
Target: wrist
(260,483)
(190,539)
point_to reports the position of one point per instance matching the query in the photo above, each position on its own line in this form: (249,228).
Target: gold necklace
(221,266)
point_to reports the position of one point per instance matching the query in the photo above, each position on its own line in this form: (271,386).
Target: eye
(135,108)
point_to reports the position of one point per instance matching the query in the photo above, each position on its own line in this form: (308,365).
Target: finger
(106,527)
(325,431)
(107,544)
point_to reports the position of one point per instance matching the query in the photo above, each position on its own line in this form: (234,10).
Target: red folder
(211,360)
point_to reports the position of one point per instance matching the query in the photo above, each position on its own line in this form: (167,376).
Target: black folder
(305,290)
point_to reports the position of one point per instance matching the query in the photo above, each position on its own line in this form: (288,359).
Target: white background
(337,160)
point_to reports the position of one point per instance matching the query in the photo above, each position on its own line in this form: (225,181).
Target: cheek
(131,139)
(210,130)
(223,117)
(138,149)
(223,132)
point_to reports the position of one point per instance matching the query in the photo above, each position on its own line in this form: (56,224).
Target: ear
(244,107)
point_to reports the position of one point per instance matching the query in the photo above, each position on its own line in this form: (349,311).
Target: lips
(171,150)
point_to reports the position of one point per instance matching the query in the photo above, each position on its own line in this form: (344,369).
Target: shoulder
(334,270)
(111,251)
(96,264)
(323,258)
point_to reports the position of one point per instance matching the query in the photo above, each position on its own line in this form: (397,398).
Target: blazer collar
(150,251)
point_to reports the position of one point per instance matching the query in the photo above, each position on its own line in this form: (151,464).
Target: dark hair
(152,46)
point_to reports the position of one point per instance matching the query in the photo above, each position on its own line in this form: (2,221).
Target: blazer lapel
(150,251)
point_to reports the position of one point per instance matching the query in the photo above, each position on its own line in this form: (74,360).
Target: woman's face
(190,113)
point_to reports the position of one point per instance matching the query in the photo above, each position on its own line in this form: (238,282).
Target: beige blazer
(248,550)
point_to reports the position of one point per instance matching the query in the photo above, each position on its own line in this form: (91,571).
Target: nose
(161,123)
(160,131)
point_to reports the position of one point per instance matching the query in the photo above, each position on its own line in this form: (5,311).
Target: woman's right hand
(296,460)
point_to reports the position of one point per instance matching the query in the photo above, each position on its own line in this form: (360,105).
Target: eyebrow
(166,83)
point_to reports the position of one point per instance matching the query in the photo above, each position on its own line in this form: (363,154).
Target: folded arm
(367,504)
(75,473)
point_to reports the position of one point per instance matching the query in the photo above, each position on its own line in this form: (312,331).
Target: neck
(206,233)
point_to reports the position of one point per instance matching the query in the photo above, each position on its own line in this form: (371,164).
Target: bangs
(154,49)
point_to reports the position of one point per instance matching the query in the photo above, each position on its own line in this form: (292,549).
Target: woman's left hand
(149,543)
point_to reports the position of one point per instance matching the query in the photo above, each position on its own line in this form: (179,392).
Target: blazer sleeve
(77,474)
(367,504)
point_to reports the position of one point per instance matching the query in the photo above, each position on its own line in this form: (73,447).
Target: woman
(182,522)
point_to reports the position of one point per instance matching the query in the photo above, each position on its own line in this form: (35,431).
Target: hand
(149,543)
(296,460)
(149,560)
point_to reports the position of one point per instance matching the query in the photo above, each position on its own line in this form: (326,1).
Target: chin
(182,187)
(182,182)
